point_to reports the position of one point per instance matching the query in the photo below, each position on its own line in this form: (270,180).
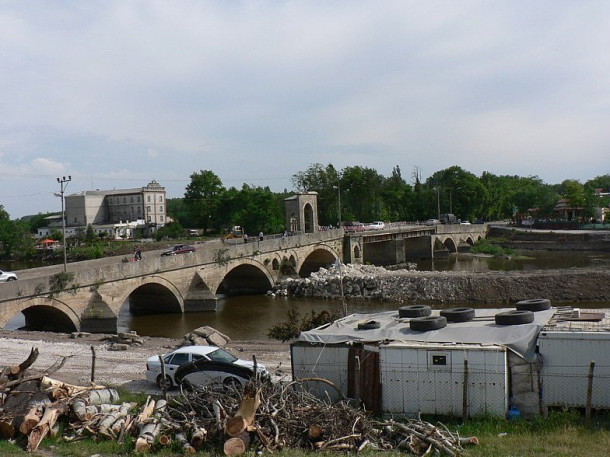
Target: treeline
(363,194)
(353,193)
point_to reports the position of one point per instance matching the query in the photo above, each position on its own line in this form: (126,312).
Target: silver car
(201,366)
(6,276)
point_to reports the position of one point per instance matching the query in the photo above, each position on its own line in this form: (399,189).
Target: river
(251,317)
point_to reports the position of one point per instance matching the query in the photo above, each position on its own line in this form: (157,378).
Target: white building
(116,212)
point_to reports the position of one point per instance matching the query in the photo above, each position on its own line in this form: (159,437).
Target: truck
(236,232)
(448,218)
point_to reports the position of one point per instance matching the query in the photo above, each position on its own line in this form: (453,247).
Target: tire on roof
(514,317)
(424,324)
(414,311)
(535,304)
(369,325)
(463,314)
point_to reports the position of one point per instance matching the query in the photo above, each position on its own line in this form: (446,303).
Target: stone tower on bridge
(302,212)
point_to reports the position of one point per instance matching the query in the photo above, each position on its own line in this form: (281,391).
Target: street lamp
(438,204)
(63,183)
(338,187)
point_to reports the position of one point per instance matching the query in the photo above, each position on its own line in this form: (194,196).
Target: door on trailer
(364,377)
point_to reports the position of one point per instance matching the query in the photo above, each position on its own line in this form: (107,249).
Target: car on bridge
(179,249)
(353,226)
(432,222)
(6,276)
(202,366)
(376,225)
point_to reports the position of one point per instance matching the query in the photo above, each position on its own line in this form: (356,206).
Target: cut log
(234,426)
(198,437)
(31,419)
(47,422)
(314,433)
(184,444)
(105,427)
(237,445)
(147,437)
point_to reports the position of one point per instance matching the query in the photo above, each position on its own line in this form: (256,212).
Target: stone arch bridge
(91,294)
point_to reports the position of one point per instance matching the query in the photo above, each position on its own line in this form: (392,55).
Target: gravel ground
(120,368)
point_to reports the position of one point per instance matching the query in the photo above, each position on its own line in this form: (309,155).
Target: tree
(202,197)
(360,188)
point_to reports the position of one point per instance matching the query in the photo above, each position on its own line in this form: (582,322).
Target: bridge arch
(320,256)
(153,295)
(450,244)
(44,314)
(249,277)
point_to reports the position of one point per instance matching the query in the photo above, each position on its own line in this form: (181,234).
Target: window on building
(160,209)
(131,199)
(148,198)
(161,218)
(148,220)
(160,198)
(124,199)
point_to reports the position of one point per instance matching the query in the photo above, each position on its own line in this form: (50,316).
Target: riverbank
(120,368)
(586,285)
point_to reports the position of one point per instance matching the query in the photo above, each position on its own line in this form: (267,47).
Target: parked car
(432,222)
(201,366)
(179,249)
(353,226)
(376,225)
(6,276)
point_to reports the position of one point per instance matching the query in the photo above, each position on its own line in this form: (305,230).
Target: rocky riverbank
(451,288)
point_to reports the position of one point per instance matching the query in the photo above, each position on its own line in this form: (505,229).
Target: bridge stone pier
(90,296)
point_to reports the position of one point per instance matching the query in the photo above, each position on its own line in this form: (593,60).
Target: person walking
(261,237)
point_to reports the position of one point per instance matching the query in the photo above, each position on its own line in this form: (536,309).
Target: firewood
(47,422)
(148,409)
(236,445)
(147,437)
(314,432)
(105,425)
(198,437)
(31,419)
(186,446)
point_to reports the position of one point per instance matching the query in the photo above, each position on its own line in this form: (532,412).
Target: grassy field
(561,434)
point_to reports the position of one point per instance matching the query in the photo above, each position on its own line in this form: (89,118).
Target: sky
(115,94)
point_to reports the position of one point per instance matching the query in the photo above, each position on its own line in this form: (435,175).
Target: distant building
(116,212)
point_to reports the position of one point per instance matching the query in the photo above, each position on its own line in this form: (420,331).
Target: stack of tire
(523,312)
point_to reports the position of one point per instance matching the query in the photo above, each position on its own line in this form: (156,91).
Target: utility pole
(338,187)
(63,183)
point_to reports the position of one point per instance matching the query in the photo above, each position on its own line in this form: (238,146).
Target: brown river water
(251,317)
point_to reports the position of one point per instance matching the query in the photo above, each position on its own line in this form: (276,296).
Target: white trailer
(448,379)
(575,348)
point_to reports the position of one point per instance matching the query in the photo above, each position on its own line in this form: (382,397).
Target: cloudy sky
(117,93)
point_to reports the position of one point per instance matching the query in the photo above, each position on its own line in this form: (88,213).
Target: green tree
(171,230)
(397,198)
(202,197)
(361,192)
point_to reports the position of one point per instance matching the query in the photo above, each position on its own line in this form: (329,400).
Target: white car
(201,366)
(432,222)
(377,225)
(6,276)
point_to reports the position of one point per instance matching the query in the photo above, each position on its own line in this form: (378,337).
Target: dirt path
(119,368)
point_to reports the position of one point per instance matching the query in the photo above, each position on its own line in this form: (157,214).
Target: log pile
(259,417)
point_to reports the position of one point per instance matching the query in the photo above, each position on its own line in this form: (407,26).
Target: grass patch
(490,247)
